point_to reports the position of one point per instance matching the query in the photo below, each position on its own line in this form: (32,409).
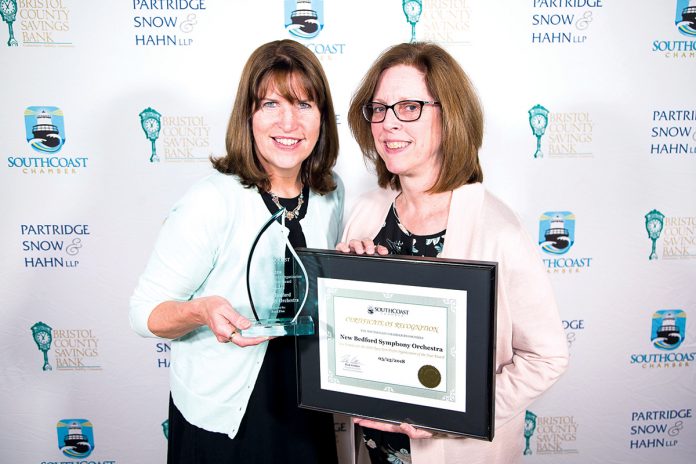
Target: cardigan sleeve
(539,347)
(184,254)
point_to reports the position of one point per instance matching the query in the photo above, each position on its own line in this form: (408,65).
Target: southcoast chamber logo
(668,329)
(73,349)
(667,333)
(549,434)
(557,232)
(678,234)
(673,132)
(52,245)
(567,134)
(45,128)
(304,20)
(562,21)
(166,23)
(684,17)
(181,138)
(557,237)
(75,438)
(658,428)
(40,23)
(45,134)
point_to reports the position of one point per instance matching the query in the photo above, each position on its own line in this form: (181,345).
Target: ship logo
(45,129)
(75,438)
(668,329)
(557,232)
(685,17)
(304,18)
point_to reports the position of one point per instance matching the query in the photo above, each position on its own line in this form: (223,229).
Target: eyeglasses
(405,110)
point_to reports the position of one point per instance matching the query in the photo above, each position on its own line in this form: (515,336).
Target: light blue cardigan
(202,250)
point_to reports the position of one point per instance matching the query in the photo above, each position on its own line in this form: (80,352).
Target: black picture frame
(477,278)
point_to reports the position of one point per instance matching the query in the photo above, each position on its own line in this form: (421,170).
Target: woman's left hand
(406,429)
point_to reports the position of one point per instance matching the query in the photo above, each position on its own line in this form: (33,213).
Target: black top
(387,447)
(399,241)
(274,426)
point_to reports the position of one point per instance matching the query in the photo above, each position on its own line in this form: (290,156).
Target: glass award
(277,283)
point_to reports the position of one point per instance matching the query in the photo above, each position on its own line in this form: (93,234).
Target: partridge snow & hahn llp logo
(176,138)
(684,17)
(562,21)
(678,235)
(162,349)
(658,428)
(550,434)
(166,23)
(37,23)
(53,245)
(73,349)
(572,329)
(557,237)
(45,134)
(668,331)
(304,20)
(673,132)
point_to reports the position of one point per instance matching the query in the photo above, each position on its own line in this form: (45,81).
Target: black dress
(388,447)
(274,429)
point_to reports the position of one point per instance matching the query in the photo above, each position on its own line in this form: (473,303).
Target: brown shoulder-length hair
(462,116)
(295,72)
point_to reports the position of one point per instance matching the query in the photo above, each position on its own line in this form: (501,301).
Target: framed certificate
(400,339)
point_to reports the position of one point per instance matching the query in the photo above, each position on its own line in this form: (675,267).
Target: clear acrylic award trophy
(276,285)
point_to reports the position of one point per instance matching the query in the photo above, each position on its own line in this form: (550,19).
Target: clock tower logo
(150,122)
(538,121)
(412,10)
(304,18)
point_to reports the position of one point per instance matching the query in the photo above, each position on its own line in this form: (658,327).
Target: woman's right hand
(362,247)
(173,319)
(226,322)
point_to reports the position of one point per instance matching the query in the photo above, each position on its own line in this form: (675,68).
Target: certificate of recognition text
(395,342)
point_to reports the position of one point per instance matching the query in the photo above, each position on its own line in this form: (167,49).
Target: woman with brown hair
(233,398)
(417,119)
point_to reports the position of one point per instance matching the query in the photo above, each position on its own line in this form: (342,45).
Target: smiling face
(285,132)
(409,149)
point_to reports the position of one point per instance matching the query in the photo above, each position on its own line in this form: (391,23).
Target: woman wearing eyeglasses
(418,120)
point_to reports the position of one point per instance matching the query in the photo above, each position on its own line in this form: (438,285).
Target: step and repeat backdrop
(111,109)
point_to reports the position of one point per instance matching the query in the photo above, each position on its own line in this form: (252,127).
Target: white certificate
(395,342)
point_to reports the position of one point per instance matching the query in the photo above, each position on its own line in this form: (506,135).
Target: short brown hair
(462,116)
(278,63)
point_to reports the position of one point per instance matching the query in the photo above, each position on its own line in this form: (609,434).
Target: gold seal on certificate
(401,339)
(429,376)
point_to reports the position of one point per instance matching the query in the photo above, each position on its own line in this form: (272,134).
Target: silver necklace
(289,215)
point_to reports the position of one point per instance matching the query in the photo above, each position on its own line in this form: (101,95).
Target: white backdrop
(79,218)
